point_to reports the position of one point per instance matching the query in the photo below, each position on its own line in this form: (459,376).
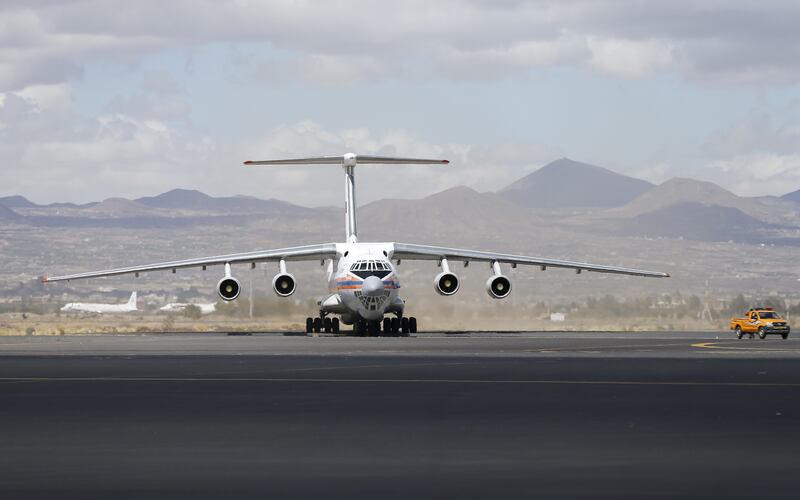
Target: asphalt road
(565,415)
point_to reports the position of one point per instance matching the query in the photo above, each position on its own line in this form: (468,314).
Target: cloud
(738,42)
(760,155)
(68,157)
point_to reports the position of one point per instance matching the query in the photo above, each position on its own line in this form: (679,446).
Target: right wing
(308,252)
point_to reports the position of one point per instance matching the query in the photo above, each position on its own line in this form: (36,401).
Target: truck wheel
(785,335)
(761,333)
(738,332)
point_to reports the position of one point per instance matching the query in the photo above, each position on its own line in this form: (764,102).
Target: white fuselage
(87,307)
(363,282)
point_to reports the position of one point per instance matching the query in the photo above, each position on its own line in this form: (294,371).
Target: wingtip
(446,162)
(43,279)
(248,162)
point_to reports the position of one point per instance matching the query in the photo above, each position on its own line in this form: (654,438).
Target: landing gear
(408,325)
(322,324)
(387,327)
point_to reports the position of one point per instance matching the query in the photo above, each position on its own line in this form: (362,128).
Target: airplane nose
(372,286)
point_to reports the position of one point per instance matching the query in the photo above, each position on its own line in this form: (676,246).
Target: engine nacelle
(498,286)
(446,283)
(283,284)
(228,288)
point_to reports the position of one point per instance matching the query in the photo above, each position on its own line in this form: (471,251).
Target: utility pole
(251,294)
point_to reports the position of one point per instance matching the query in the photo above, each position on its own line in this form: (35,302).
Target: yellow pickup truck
(761,320)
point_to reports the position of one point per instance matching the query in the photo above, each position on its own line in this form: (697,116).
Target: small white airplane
(181,306)
(94,308)
(362,277)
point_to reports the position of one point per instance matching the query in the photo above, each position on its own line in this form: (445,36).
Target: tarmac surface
(483,415)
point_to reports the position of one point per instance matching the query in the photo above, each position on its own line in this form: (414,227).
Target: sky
(102,99)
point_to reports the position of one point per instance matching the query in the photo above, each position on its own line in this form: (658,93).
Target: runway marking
(401,381)
(715,345)
(589,349)
(385,365)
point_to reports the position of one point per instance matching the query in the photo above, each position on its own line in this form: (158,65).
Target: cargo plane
(362,277)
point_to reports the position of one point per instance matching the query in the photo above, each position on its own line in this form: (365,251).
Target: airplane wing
(308,252)
(409,251)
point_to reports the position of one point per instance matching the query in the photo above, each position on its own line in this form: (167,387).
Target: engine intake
(283,284)
(446,283)
(498,286)
(228,288)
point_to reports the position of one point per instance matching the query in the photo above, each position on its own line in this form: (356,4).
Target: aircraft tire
(412,325)
(387,326)
(395,323)
(309,325)
(335,325)
(404,325)
(374,328)
(327,325)
(317,325)
(359,328)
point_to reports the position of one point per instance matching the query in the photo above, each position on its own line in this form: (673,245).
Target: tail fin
(349,161)
(132,300)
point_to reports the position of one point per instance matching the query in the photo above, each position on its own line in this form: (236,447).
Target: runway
(490,415)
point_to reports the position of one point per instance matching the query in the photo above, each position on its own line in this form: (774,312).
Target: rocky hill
(566,183)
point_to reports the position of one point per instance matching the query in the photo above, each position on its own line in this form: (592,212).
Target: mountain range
(563,195)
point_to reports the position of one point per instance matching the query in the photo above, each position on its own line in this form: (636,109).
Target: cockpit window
(365,268)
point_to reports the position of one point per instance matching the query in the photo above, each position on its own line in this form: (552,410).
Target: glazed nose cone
(372,286)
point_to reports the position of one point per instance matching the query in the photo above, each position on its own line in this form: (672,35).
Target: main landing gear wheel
(762,334)
(738,332)
(317,325)
(412,324)
(335,325)
(387,326)
(395,326)
(309,325)
(327,325)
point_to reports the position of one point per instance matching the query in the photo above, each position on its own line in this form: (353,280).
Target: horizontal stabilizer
(349,159)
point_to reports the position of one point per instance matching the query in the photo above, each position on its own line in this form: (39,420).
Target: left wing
(308,252)
(410,251)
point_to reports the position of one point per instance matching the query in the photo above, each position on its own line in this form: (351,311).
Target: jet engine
(498,286)
(446,283)
(228,288)
(283,284)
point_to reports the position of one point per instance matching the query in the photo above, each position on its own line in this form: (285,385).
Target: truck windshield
(768,315)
